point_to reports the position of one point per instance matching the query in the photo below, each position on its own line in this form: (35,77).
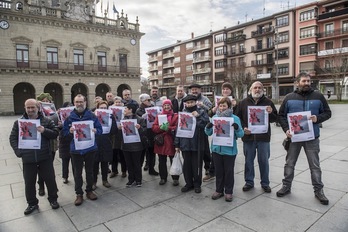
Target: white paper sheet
(28,136)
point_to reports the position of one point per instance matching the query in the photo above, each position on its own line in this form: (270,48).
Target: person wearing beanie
(132,151)
(148,153)
(44,97)
(192,148)
(167,149)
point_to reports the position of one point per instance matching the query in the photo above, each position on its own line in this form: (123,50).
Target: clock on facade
(4,24)
(133,41)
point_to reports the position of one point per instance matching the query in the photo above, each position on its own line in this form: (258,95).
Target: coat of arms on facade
(79,10)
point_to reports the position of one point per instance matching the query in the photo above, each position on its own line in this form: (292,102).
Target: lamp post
(277,72)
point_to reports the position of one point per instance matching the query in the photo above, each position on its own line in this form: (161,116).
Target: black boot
(321,197)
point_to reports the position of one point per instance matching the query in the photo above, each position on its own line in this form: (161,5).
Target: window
(52,57)
(78,59)
(189,45)
(283,69)
(241,48)
(22,52)
(283,21)
(307,66)
(327,64)
(220,63)
(233,62)
(101,61)
(344,43)
(241,61)
(283,37)
(220,51)
(123,63)
(220,38)
(283,53)
(307,15)
(345,27)
(308,49)
(233,49)
(329,29)
(307,32)
(328,45)
(189,68)
(189,56)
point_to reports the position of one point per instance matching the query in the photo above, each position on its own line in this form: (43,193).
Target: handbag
(159,139)
(176,168)
(286,143)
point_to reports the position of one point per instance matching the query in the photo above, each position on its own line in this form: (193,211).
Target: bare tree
(240,79)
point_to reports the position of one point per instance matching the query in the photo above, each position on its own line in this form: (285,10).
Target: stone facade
(65,51)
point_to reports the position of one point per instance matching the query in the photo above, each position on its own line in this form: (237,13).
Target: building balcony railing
(152,59)
(262,32)
(203,82)
(262,47)
(168,75)
(201,59)
(236,52)
(262,62)
(238,65)
(168,55)
(64,67)
(236,39)
(336,13)
(169,83)
(201,47)
(201,70)
(153,77)
(337,32)
(153,68)
(330,70)
(168,65)
(335,51)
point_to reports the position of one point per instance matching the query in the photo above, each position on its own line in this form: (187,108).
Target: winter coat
(195,143)
(149,133)
(299,101)
(168,147)
(242,113)
(64,145)
(225,150)
(86,115)
(35,155)
(137,146)
(176,107)
(104,143)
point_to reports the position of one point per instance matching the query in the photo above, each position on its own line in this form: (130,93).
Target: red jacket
(168,147)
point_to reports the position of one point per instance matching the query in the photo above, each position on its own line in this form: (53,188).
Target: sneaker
(217,195)
(267,189)
(106,184)
(129,184)
(112,175)
(91,196)
(79,200)
(30,209)
(198,190)
(283,191)
(138,184)
(54,205)
(175,182)
(208,178)
(41,192)
(247,187)
(162,182)
(228,197)
(124,175)
(186,189)
(321,197)
(94,186)
(65,180)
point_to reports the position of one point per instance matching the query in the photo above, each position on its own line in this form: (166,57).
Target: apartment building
(64,50)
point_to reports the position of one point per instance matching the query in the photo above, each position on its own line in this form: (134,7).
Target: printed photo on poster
(29,137)
(162,118)
(65,112)
(257,119)
(186,125)
(129,131)
(223,131)
(218,98)
(118,113)
(301,126)
(48,109)
(84,137)
(104,117)
(151,114)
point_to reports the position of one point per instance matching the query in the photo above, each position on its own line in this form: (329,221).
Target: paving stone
(221,224)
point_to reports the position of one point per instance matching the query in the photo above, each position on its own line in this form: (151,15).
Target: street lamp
(276,74)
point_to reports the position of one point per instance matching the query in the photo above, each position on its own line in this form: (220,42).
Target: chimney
(192,35)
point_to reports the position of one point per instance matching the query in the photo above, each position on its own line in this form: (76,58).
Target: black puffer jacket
(34,155)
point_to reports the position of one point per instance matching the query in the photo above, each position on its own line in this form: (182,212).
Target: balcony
(153,68)
(168,75)
(238,65)
(152,59)
(330,70)
(335,51)
(168,65)
(236,39)
(262,47)
(236,52)
(333,33)
(201,59)
(62,67)
(168,55)
(262,32)
(333,14)
(201,70)
(262,62)
(203,82)
(153,77)
(201,47)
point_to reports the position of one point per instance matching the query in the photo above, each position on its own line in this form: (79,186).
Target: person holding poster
(36,160)
(104,152)
(145,102)
(304,98)
(167,129)
(253,108)
(192,148)
(132,151)
(82,157)
(224,156)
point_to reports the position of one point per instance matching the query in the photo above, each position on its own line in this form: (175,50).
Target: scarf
(191,109)
(226,113)
(169,114)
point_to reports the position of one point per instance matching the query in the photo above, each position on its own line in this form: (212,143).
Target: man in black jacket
(259,142)
(177,101)
(37,160)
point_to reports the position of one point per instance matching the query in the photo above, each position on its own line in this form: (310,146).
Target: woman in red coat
(167,149)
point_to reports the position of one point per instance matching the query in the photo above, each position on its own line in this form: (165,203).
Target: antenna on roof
(264,8)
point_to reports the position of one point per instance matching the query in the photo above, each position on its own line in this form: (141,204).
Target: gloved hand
(209,125)
(164,126)
(235,126)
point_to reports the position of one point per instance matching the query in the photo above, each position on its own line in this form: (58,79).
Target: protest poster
(162,118)
(28,136)
(118,113)
(48,109)
(151,113)
(84,137)
(301,126)
(257,119)
(223,131)
(65,112)
(129,131)
(186,125)
(218,98)
(104,117)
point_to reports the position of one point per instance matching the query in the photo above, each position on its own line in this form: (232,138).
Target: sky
(166,21)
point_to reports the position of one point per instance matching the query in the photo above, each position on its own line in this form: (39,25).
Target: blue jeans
(311,149)
(263,154)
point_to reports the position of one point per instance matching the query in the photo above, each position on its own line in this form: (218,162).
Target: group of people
(217,160)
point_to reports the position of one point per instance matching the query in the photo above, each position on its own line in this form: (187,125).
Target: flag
(107,8)
(101,7)
(114,9)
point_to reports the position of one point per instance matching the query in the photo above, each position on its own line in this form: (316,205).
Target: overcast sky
(166,21)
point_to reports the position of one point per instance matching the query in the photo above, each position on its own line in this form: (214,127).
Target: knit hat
(43,96)
(132,107)
(143,97)
(167,101)
(227,85)
(190,97)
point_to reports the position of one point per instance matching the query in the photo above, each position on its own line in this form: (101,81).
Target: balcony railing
(168,75)
(236,39)
(168,55)
(236,52)
(333,14)
(65,67)
(152,68)
(262,62)
(337,32)
(203,82)
(335,51)
(201,47)
(201,59)
(201,70)
(153,77)
(168,65)
(152,59)
(262,32)
(262,47)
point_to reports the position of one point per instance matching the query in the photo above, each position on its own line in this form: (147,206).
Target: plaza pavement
(164,208)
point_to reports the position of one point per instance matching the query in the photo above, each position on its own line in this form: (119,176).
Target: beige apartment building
(64,49)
